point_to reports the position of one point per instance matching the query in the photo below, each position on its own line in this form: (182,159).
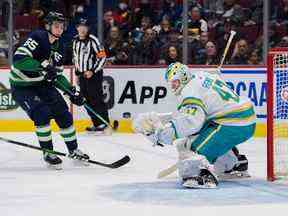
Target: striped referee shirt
(88,54)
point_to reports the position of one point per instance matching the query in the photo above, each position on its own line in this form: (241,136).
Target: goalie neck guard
(177,71)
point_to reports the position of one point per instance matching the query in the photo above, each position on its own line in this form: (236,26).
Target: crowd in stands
(150,31)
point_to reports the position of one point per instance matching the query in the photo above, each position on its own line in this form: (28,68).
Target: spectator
(145,23)
(231,9)
(122,16)
(213,6)
(240,55)
(114,46)
(256,12)
(213,11)
(173,40)
(143,10)
(171,55)
(210,57)
(223,33)
(108,22)
(138,32)
(5,13)
(171,11)
(51,5)
(146,51)
(283,42)
(36,11)
(197,49)
(163,35)
(274,37)
(282,12)
(196,24)
(3,49)
(254,58)
(26,7)
(211,54)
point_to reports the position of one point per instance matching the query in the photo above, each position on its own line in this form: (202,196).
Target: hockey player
(35,74)
(211,120)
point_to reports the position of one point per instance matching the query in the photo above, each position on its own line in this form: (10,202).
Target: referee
(89,58)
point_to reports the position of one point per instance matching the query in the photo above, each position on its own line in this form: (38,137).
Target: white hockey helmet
(177,71)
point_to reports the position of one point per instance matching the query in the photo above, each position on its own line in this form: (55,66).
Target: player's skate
(53,161)
(204,180)
(101,130)
(79,158)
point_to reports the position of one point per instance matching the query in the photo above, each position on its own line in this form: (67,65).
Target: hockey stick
(115,123)
(167,171)
(113,165)
(232,34)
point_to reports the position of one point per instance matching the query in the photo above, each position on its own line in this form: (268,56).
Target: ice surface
(27,187)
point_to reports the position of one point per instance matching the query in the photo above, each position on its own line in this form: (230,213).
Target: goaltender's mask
(177,75)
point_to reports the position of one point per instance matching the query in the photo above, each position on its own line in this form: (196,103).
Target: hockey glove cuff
(50,73)
(76,97)
(162,136)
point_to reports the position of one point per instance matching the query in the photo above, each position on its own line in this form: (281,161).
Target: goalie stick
(232,34)
(168,171)
(113,165)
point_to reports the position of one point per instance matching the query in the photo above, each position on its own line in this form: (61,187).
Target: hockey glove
(147,123)
(50,73)
(165,135)
(162,136)
(76,97)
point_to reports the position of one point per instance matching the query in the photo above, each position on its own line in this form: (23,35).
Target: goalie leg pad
(231,166)
(183,146)
(192,166)
(225,163)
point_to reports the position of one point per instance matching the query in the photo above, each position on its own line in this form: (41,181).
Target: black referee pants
(93,92)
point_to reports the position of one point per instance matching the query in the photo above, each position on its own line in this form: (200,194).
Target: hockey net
(277,114)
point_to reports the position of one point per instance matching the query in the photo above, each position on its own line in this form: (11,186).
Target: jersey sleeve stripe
(234,111)
(24,50)
(193,101)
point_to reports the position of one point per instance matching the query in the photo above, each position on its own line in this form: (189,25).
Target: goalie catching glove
(181,124)
(151,126)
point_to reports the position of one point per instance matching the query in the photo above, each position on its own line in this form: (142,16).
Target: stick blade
(120,162)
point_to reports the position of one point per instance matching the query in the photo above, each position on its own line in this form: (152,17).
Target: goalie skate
(205,180)
(239,171)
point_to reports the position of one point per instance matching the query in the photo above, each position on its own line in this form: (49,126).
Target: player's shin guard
(69,136)
(44,136)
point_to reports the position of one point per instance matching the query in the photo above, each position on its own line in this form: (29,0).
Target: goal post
(277,113)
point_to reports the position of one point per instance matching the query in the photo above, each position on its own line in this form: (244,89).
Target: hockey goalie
(210,122)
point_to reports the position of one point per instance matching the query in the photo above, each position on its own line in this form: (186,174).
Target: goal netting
(277,114)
